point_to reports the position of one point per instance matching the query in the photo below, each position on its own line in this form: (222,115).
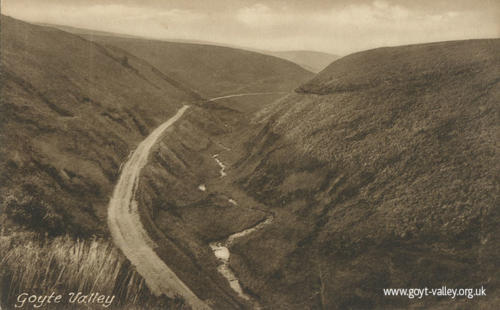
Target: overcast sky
(334,26)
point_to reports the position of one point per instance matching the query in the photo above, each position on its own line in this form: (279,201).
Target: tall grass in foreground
(39,265)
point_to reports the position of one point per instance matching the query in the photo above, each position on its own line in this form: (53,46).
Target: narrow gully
(221,248)
(221,251)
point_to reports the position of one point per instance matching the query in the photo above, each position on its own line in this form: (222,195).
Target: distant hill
(85,31)
(210,69)
(382,171)
(310,60)
(214,70)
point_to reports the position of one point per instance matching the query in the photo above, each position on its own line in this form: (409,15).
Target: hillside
(382,171)
(71,112)
(213,70)
(310,60)
(86,31)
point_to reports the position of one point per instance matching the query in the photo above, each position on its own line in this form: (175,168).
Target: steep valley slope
(73,109)
(212,70)
(71,112)
(188,200)
(382,171)
(181,209)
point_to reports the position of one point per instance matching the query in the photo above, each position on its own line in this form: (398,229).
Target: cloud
(258,15)
(378,13)
(342,28)
(103,16)
(363,25)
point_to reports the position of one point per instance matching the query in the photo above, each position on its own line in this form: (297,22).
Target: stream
(221,165)
(221,251)
(221,248)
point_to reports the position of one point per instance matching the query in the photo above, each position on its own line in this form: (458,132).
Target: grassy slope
(39,266)
(71,112)
(213,70)
(383,172)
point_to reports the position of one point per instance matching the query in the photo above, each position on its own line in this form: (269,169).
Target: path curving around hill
(126,227)
(128,233)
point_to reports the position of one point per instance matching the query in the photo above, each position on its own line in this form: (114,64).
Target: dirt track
(129,234)
(126,227)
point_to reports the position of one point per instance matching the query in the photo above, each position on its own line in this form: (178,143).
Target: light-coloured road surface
(246,94)
(129,234)
(126,227)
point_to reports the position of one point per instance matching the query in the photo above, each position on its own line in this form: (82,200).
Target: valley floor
(133,239)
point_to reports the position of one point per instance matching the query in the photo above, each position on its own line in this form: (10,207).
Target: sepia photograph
(249,154)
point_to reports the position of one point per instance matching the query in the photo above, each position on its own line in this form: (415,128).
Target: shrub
(33,212)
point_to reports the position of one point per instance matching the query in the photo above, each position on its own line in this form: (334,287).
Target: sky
(333,26)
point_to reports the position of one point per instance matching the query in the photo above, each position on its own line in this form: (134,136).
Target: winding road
(126,227)
(130,236)
(246,94)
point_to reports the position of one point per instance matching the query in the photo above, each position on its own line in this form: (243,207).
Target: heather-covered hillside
(380,172)
(71,112)
(213,70)
(383,172)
